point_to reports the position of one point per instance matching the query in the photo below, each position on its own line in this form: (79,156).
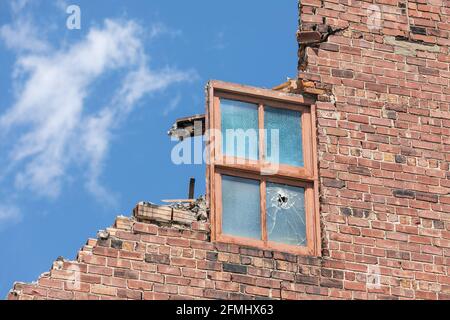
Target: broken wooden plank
(188,127)
(167,214)
(179,201)
(283,86)
(191,188)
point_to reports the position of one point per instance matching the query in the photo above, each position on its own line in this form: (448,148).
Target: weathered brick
(103,290)
(329,47)
(332,283)
(402,193)
(215,294)
(145,228)
(306,279)
(90,278)
(129,294)
(116,244)
(400,158)
(157,258)
(164,269)
(342,73)
(126,274)
(140,285)
(428,197)
(346,211)
(337,132)
(359,170)
(211,256)
(234,268)
(333,183)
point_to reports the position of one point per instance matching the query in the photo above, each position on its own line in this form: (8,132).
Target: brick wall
(384,142)
(384,151)
(135,260)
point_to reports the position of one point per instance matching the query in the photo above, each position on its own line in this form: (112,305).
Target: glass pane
(239,129)
(286,214)
(241,214)
(283,136)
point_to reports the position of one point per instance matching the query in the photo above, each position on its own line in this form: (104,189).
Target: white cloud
(22,35)
(56,128)
(9,214)
(142,81)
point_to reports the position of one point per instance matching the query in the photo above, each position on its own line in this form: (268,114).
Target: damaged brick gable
(167,259)
(383,119)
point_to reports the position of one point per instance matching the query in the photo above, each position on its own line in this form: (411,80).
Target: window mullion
(263,209)
(262,145)
(262,159)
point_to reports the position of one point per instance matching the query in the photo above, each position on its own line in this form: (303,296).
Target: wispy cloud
(49,126)
(22,34)
(173,104)
(160,29)
(9,214)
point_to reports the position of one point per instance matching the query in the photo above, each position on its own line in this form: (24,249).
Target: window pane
(286,214)
(286,146)
(239,129)
(241,215)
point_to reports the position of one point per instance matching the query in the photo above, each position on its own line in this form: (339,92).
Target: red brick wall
(145,261)
(384,140)
(384,152)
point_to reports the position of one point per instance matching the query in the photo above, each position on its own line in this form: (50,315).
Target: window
(262,171)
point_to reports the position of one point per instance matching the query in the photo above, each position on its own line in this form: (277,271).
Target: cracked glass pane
(241,207)
(286,214)
(239,129)
(286,146)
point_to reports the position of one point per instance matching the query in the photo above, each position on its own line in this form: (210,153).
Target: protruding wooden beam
(188,127)
(307,37)
(191,188)
(179,201)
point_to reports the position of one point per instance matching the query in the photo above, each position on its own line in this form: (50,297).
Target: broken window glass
(286,146)
(241,207)
(286,214)
(239,129)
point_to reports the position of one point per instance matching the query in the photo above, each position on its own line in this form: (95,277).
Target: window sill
(267,246)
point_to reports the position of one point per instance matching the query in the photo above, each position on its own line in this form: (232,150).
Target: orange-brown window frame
(305,177)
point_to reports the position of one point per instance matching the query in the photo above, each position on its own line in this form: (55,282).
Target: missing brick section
(312,39)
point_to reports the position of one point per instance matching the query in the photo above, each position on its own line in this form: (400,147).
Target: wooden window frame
(305,177)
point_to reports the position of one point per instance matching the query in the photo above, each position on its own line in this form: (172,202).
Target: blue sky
(84,113)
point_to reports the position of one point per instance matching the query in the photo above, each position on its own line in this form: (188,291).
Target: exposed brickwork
(384,140)
(383,121)
(145,261)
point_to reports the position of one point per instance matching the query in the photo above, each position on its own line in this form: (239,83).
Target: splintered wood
(164,214)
